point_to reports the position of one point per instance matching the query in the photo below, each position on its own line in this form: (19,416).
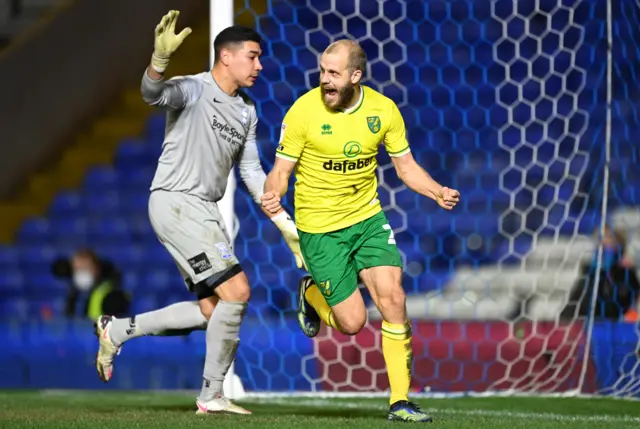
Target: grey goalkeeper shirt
(207,132)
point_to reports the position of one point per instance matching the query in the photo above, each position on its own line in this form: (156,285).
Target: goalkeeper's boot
(107,351)
(405,411)
(308,318)
(219,405)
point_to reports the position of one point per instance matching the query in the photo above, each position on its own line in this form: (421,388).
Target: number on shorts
(392,237)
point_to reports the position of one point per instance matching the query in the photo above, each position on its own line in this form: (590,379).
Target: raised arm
(154,90)
(417,179)
(174,94)
(408,170)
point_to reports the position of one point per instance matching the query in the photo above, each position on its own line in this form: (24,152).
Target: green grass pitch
(100,409)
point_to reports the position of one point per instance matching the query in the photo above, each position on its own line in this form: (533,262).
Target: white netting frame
(563,268)
(463,298)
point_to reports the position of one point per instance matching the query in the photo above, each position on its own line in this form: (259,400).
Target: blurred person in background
(94,286)
(618,283)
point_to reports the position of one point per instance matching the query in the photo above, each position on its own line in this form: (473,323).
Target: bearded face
(337,83)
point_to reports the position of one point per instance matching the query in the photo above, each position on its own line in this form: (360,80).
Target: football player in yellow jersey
(330,138)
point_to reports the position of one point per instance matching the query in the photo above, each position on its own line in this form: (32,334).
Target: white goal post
(221,16)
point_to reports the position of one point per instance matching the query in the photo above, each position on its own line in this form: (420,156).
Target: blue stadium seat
(14,308)
(38,257)
(135,178)
(47,307)
(12,283)
(161,281)
(75,226)
(145,303)
(100,178)
(109,226)
(102,203)
(156,255)
(136,202)
(65,204)
(9,257)
(41,283)
(154,132)
(35,230)
(133,153)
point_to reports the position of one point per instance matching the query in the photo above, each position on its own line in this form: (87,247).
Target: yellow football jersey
(336,184)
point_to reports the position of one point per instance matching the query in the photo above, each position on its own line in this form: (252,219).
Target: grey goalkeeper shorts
(194,233)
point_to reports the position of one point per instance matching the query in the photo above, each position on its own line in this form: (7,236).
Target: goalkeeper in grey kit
(210,125)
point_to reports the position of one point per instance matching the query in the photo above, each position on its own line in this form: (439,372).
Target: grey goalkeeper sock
(222,343)
(177,319)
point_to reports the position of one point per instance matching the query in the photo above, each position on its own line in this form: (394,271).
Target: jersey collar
(357,105)
(211,81)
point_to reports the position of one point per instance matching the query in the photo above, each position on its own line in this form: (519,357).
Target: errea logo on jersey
(326,130)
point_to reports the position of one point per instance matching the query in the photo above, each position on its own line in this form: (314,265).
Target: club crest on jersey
(374,124)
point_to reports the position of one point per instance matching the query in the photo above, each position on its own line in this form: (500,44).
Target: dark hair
(87,253)
(234,35)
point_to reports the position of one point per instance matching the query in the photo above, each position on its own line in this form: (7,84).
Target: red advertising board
(452,356)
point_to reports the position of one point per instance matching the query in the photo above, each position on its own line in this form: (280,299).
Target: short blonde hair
(357,59)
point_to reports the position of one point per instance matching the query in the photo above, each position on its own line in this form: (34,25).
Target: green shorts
(335,258)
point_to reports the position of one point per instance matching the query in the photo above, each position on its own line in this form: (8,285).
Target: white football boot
(219,405)
(107,351)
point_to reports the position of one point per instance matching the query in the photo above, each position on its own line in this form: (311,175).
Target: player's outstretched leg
(176,319)
(222,343)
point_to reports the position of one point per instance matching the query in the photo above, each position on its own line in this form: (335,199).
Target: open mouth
(330,92)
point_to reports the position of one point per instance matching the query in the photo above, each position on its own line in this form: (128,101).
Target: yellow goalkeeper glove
(290,234)
(167,41)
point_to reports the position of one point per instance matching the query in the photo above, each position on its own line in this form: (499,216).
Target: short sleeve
(292,134)
(395,139)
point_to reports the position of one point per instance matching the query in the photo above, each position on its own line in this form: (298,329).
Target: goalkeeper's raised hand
(167,41)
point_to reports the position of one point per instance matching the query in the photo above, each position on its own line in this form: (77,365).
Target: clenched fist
(448,198)
(271,202)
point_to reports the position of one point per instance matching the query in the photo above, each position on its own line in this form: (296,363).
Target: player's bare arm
(418,180)
(277,183)
(253,176)
(274,188)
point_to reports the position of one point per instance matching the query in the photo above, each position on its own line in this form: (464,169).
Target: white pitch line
(318,402)
(354,403)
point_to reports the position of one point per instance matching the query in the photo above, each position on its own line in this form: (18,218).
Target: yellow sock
(317,301)
(398,356)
